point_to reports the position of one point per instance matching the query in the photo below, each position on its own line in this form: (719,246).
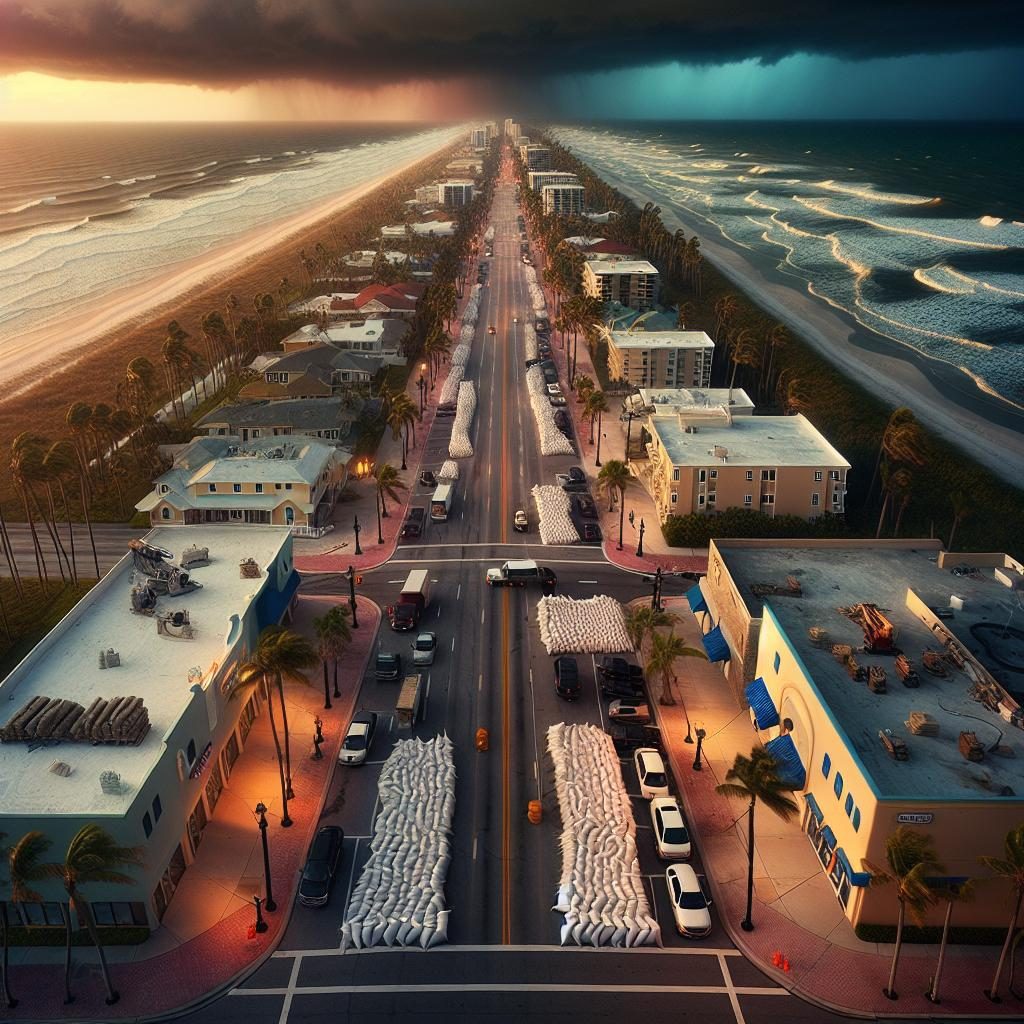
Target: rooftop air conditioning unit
(721,452)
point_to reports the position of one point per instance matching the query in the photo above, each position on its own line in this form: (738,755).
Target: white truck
(514,574)
(441,502)
(409,706)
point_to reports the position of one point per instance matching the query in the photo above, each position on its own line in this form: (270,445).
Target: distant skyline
(429,60)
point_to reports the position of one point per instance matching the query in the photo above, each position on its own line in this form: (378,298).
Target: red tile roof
(606,245)
(396,296)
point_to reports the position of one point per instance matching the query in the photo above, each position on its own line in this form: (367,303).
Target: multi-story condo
(536,158)
(455,193)
(634,283)
(150,768)
(660,359)
(671,401)
(538,179)
(426,195)
(565,200)
(478,137)
(709,461)
(266,481)
(512,128)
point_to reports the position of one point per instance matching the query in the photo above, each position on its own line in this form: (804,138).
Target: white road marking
(453,644)
(329,990)
(351,879)
(732,990)
(474,847)
(458,593)
(597,687)
(290,991)
(482,612)
(588,581)
(480,683)
(427,695)
(396,581)
(540,948)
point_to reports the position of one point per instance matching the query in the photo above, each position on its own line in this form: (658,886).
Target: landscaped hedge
(697,529)
(932,934)
(18,935)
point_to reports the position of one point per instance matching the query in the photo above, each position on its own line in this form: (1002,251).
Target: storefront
(832,857)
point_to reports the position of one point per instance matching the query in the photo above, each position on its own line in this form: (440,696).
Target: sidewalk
(795,909)
(204,942)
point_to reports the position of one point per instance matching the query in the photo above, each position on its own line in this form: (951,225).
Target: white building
(634,283)
(455,193)
(538,179)
(565,200)
(536,158)
(478,137)
(660,359)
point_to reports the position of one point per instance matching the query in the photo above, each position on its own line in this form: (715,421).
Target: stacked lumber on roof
(122,720)
(920,723)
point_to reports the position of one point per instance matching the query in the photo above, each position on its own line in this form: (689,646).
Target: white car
(520,523)
(515,319)
(689,904)
(671,837)
(424,648)
(650,772)
(359,738)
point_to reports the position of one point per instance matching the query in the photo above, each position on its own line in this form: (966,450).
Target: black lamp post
(403,453)
(376,505)
(697,766)
(352,595)
(261,925)
(356,528)
(597,461)
(261,811)
(422,385)
(640,546)
(629,432)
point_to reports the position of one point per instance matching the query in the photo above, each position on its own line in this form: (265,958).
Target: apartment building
(564,200)
(633,283)
(538,179)
(709,461)
(536,158)
(455,193)
(478,137)
(660,359)
(512,128)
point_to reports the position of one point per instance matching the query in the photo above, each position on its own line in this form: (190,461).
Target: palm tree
(757,778)
(665,648)
(642,620)
(595,405)
(77,418)
(388,483)
(961,510)
(584,386)
(684,313)
(59,461)
(744,353)
(615,477)
(911,860)
(26,866)
(960,892)
(894,483)
(1011,868)
(340,637)
(902,441)
(24,454)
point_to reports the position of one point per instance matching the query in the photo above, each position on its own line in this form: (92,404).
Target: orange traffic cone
(785,964)
(776,959)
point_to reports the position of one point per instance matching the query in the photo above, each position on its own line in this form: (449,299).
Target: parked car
(519,521)
(491,329)
(577,474)
(321,866)
(650,773)
(690,905)
(532,362)
(591,531)
(447,409)
(427,479)
(586,507)
(619,668)
(566,482)
(550,375)
(542,323)
(567,678)
(388,666)
(554,389)
(671,836)
(424,648)
(562,420)
(621,688)
(356,745)
(628,736)
(631,709)
(548,579)
(557,400)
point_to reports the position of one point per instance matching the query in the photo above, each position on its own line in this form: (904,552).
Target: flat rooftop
(670,400)
(748,441)
(621,267)
(66,664)
(831,578)
(661,339)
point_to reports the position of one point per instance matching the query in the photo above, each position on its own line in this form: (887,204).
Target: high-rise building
(634,283)
(564,200)
(455,193)
(538,179)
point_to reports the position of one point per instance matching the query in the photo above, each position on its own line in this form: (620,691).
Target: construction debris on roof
(122,720)
(921,723)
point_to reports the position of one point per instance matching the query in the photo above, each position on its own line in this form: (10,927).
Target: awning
(273,603)
(829,836)
(765,713)
(715,645)
(791,769)
(696,598)
(855,877)
(813,805)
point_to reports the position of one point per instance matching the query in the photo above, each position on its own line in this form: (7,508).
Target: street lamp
(697,766)
(356,528)
(261,811)
(376,505)
(640,546)
(422,385)
(261,925)
(352,595)
(403,453)
(629,432)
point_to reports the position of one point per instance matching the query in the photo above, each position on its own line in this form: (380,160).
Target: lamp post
(376,505)
(697,766)
(261,811)
(422,385)
(597,461)
(352,595)
(640,546)
(403,453)
(629,432)
(356,528)
(261,925)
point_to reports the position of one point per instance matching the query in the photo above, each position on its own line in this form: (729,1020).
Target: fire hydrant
(482,739)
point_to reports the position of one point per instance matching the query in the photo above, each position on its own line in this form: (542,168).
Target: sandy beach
(946,400)
(25,361)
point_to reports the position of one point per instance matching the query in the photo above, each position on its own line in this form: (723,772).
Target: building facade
(328,419)
(478,137)
(535,158)
(564,200)
(455,193)
(538,179)
(190,721)
(633,283)
(660,359)
(320,371)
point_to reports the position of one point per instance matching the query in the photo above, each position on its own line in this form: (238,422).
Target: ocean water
(87,209)
(916,230)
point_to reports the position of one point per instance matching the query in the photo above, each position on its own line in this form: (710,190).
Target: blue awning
(829,836)
(855,877)
(813,805)
(273,603)
(765,713)
(715,645)
(791,769)
(696,598)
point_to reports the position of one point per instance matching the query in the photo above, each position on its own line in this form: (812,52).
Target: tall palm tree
(24,451)
(961,892)
(77,419)
(93,855)
(744,353)
(961,510)
(665,649)
(615,477)
(61,457)
(642,620)
(59,462)
(584,386)
(902,440)
(252,674)
(894,483)
(388,483)
(595,405)
(26,867)
(757,778)
(1009,867)
(911,860)
(340,636)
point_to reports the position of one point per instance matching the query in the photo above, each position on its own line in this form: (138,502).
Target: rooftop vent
(175,626)
(249,569)
(61,768)
(110,783)
(109,658)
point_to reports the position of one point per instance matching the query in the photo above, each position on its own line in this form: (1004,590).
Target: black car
(591,532)
(577,475)
(548,579)
(427,479)
(321,865)
(413,525)
(567,678)
(619,668)
(586,507)
(612,688)
(630,736)
(550,375)
(388,666)
(532,362)
(448,409)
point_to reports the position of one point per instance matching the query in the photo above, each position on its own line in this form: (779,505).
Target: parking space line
(292,979)
(727,977)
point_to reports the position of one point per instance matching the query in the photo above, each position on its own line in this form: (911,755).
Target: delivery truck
(409,706)
(441,502)
(405,614)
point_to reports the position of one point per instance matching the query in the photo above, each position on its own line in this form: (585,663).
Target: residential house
(378,337)
(329,419)
(321,371)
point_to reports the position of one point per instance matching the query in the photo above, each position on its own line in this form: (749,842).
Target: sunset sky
(188,60)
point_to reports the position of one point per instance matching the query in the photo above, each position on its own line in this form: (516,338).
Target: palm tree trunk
(933,992)
(287,738)
(881,518)
(50,522)
(9,1001)
(747,924)
(88,525)
(112,994)
(993,992)
(71,530)
(337,692)
(44,579)
(286,821)
(327,689)
(890,989)
(65,912)
(12,564)
(622,514)
(952,532)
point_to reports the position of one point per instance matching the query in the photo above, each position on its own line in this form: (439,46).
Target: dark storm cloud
(367,42)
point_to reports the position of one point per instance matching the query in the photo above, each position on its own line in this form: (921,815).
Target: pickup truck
(413,525)
(513,574)
(627,688)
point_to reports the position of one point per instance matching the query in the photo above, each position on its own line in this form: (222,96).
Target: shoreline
(944,398)
(70,335)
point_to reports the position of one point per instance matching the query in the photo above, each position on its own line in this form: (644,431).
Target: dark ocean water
(85,209)
(915,229)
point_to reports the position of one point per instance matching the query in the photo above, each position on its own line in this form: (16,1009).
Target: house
(271,481)
(802,628)
(378,337)
(634,283)
(564,200)
(329,419)
(321,371)
(669,359)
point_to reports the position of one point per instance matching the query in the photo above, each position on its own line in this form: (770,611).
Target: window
(237,488)
(277,487)
(675,498)
(700,500)
(191,753)
(41,913)
(817,475)
(256,432)
(776,662)
(675,473)
(703,475)
(815,499)
(848,807)
(164,488)
(767,474)
(826,765)
(287,487)
(714,474)
(767,499)
(833,474)
(748,499)
(118,915)
(213,488)
(837,786)
(856,819)
(147,824)
(259,488)
(750,474)
(158,808)
(165,513)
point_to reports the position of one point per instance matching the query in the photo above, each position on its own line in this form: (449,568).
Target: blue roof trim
(829,835)
(696,598)
(715,645)
(855,877)
(273,603)
(813,805)
(765,713)
(791,769)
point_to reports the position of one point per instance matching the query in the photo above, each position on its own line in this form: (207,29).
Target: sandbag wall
(399,898)
(460,446)
(554,521)
(601,891)
(595,625)
(552,440)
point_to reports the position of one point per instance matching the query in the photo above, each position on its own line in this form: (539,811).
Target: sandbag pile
(555,523)
(472,310)
(552,440)
(536,292)
(449,470)
(467,334)
(399,898)
(450,388)
(489,234)
(461,355)
(530,341)
(601,889)
(460,446)
(120,720)
(592,626)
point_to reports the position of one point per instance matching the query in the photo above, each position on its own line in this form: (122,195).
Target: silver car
(424,648)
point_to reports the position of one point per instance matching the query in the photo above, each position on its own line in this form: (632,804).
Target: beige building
(835,736)
(536,158)
(271,481)
(660,359)
(634,283)
(564,200)
(708,460)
